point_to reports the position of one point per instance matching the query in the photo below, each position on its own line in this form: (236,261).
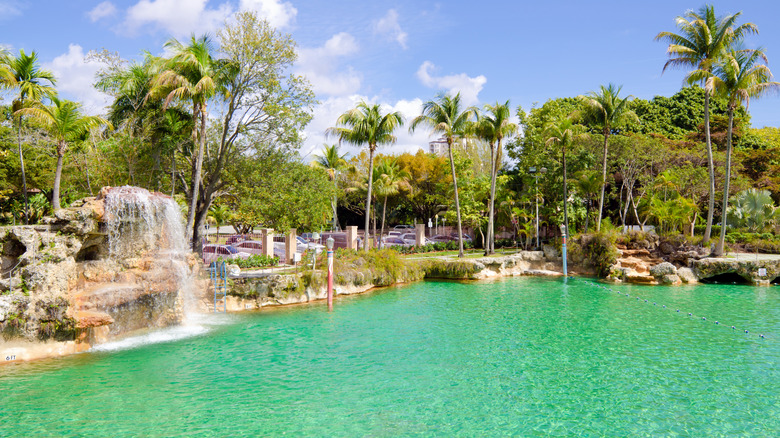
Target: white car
(411,239)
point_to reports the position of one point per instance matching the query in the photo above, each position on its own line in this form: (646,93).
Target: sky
(399,53)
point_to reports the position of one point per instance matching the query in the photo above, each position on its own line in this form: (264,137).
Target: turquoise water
(518,357)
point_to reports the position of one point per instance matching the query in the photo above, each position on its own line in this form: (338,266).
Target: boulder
(551,252)
(662,269)
(687,275)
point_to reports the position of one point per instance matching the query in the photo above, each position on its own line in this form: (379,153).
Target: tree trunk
(193,234)
(721,242)
(371,149)
(334,203)
(603,181)
(384,215)
(488,247)
(24,177)
(711,167)
(457,202)
(55,197)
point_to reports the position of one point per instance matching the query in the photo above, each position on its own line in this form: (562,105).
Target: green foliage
(253,261)
(753,209)
(597,250)
(432,247)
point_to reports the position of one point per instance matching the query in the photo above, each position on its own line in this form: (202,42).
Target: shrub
(598,250)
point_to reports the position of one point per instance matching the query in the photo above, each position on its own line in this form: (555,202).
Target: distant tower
(438,147)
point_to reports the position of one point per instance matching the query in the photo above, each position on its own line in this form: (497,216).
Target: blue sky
(400,53)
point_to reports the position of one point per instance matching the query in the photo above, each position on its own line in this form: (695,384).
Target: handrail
(11,276)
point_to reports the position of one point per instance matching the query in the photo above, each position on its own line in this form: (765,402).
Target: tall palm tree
(220,214)
(390,178)
(563,133)
(191,74)
(366,124)
(742,74)
(606,110)
(64,122)
(493,127)
(445,117)
(33,84)
(703,39)
(331,161)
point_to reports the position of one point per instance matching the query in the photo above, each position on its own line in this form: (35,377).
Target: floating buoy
(678,310)
(733,328)
(747,331)
(703,318)
(689,314)
(664,306)
(761,335)
(716,322)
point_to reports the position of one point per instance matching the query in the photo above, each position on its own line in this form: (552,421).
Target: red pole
(330,280)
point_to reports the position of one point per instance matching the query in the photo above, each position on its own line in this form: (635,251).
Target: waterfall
(149,226)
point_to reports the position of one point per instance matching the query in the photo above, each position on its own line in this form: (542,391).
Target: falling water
(150,225)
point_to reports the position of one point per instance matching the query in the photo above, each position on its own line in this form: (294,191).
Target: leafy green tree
(64,122)
(366,124)
(702,42)
(741,75)
(445,117)
(427,190)
(33,84)
(332,162)
(493,127)
(606,111)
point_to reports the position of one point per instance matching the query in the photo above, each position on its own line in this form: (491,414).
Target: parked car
(403,227)
(304,245)
(466,237)
(395,241)
(441,238)
(339,239)
(235,238)
(250,246)
(228,252)
(411,239)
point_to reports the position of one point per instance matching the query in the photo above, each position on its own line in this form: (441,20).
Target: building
(438,147)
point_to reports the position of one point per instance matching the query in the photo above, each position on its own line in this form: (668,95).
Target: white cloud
(319,66)
(468,87)
(388,26)
(184,17)
(279,14)
(103,10)
(330,109)
(177,17)
(75,77)
(9,9)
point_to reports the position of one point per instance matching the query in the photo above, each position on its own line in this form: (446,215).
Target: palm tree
(331,161)
(606,110)
(588,183)
(220,214)
(702,40)
(563,133)
(365,124)
(64,122)
(390,178)
(493,127)
(33,84)
(444,117)
(191,74)
(742,74)
(754,209)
